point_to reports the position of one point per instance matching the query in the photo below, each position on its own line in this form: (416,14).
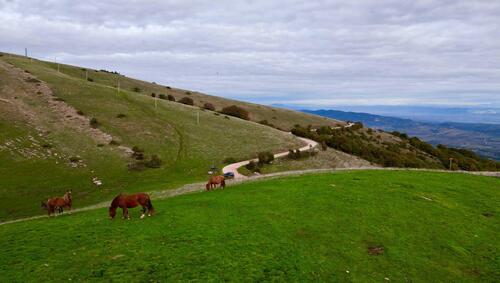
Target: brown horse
(214,181)
(58,203)
(130,201)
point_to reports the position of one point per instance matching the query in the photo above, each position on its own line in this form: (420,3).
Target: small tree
(265,157)
(154,94)
(209,106)
(136,89)
(187,100)
(170,97)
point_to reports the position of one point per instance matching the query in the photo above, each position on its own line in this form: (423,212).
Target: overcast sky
(320,53)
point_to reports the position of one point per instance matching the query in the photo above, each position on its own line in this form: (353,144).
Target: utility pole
(25,52)
(86,74)
(198,117)
(118,87)
(156,102)
(451,160)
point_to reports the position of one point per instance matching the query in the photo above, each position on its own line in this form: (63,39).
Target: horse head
(44,205)
(112,212)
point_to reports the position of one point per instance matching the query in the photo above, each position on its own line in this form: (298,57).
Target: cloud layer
(323,53)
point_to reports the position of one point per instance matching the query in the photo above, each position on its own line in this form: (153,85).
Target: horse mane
(115,201)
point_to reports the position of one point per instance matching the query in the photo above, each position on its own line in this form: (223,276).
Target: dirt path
(235,166)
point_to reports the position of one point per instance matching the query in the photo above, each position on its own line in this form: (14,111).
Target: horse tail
(149,205)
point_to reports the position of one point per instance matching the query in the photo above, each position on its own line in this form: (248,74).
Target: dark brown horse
(214,181)
(58,203)
(130,201)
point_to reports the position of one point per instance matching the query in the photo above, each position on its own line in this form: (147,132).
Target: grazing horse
(130,201)
(214,181)
(58,203)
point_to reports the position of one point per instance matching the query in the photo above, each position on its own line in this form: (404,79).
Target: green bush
(162,96)
(170,97)
(187,101)
(265,157)
(138,153)
(154,162)
(94,123)
(121,115)
(236,111)
(209,106)
(136,89)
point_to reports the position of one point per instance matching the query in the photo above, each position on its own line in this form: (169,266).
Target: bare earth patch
(376,250)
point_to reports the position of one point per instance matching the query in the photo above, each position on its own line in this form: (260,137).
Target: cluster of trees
(354,140)
(461,159)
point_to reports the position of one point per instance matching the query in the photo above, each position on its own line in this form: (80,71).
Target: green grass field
(432,227)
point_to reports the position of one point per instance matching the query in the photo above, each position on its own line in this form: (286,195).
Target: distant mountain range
(483,139)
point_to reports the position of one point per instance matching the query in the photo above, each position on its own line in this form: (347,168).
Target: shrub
(209,106)
(188,92)
(46,145)
(136,89)
(154,162)
(170,97)
(252,166)
(265,157)
(121,115)
(162,96)
(93,122)
(138,153)
(114,142)
(80,112)
(236,111)
(154,95)
(58,99)
(90,79)
(187,101)
(167,87)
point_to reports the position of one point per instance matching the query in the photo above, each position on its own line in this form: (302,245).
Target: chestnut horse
(130,201)
(58,203)
(214,181)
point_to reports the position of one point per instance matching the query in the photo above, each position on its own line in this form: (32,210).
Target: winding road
(309,145)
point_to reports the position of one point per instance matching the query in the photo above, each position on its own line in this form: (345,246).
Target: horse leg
(143,211)
(126,212)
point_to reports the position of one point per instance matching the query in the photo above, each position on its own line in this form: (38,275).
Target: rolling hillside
(366,226)
(59,131)
(484,139)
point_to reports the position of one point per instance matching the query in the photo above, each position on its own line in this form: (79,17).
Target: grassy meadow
(366,226)
(167,129)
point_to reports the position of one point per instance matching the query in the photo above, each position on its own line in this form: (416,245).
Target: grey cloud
(335,52)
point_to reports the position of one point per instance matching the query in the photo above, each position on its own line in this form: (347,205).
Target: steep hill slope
(352,226)
(59,131)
